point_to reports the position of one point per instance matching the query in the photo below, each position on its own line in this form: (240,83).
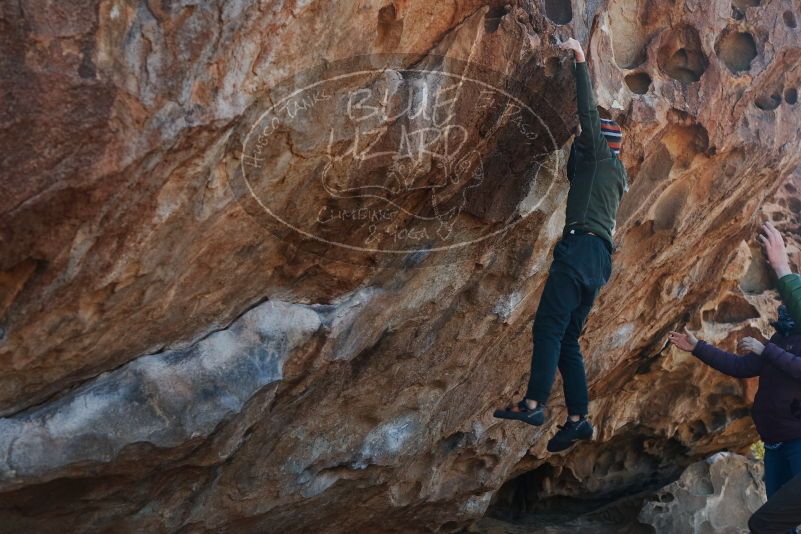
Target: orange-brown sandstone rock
(174,359)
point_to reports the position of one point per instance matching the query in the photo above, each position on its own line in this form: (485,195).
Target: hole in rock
(559,11)
(628,26)
(387,14)
(685,142)
(552,66)
(718,421)
(738,7)
(667,497)
(794,204)
(732,309)
(791,96)
(681,56)
(451,526)
(638,82)
(742,5)
(390,27)
(697,430)
(654,168)
(789,19)
(492,20)
(739,413)
(757,277)
(736,50)
(768,102)
(521,494)
(669,205)
(86,69)
(657,165)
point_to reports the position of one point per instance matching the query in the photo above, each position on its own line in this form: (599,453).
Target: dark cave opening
(624,474)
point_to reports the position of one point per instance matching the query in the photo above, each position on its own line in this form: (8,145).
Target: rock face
(181,353)
(717,495)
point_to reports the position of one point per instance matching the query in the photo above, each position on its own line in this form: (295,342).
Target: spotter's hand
(749,344)
(685,342)
(775,249)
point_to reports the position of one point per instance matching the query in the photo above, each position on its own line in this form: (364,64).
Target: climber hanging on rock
(582,263)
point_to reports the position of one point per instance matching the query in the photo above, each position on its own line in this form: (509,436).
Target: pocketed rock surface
(174,360)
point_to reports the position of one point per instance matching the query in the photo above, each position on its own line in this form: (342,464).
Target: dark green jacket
(597,177)
(790,291)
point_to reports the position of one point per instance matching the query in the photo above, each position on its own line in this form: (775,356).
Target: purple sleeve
(728,363)
(786,361)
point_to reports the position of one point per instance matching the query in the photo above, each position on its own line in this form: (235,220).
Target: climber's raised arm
(789,283)
(591,141)
(727,363)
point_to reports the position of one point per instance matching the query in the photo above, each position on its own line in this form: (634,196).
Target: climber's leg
(782,513)
(574,379)
(560,298)
(571,361)
(792,452)
(777,468)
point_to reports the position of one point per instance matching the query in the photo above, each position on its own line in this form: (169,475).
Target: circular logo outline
(507,225)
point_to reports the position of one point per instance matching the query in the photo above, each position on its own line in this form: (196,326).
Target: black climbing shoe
(521,412)
(569,433)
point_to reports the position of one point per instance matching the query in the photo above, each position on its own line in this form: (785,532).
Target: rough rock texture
(174,362)
(718,495)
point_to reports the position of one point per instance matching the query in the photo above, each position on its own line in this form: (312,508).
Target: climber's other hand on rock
(685,342)
(775,249)
(575,46)
(749,344)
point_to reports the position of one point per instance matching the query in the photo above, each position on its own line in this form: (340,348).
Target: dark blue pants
(782,513)
(581,265)
(782,464)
